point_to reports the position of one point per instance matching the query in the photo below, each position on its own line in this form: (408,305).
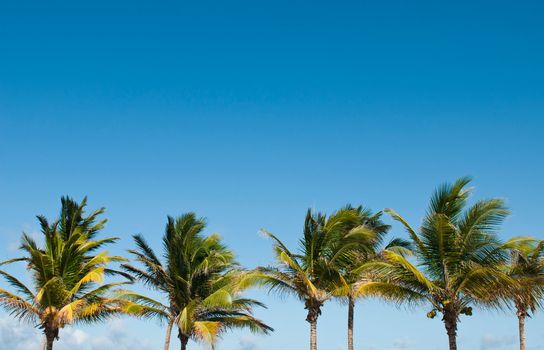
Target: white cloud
(72,338)
(496,342)
(403,343)
(248,343)
(17,336)
(369,347)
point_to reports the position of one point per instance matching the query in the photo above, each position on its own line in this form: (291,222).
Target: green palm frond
(66,272)
(199,277)
(246,322)
(526,266)
(460,260)
(390,292)
(18,285)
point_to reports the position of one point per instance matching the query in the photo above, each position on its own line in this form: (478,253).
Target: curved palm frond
(460,258)
(199,277)
(66,272)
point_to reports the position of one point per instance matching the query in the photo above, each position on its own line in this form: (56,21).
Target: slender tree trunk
(50,336)
(184,343)
(451,327)
(313,334)
(184,340)
(521,318)
(49,344)
(50,339)
(314,310)
(168,334)
(351,307)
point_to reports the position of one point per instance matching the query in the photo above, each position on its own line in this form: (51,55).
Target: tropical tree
(67,274)
(200,280)
(311,274)
(459,257)
(362,250)
(526,266)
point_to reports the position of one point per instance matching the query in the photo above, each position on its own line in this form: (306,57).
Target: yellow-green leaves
(67,272)
(219,299)
(207,331)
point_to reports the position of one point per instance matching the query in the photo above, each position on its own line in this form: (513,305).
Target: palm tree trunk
(168,334)
(351,307)
(49,345)
(184,343)
(521,318)
(451,327)
(313,335)
(314,309)
(50,335)
(50,339)
(184,340)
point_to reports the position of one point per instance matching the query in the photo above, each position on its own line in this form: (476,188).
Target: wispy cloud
(369,347)
(403,343)
(248,343)
(17,336)
(490,341)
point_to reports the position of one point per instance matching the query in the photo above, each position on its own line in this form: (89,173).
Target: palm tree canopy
(458,254)
(311,273)
(526,265)
(200,279)
(67,272)
(365,249)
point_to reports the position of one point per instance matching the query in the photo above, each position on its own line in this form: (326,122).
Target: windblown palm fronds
(526,266)
(458,254)
(311,274)
(67,274)
(363,241)
(201,281)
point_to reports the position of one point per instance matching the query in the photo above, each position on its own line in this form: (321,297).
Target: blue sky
(249,112)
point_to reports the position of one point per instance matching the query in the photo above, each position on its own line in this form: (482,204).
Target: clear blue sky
(249,112)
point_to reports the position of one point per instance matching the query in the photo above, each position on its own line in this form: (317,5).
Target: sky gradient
(250,112)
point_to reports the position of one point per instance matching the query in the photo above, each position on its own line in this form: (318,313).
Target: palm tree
(67,274)
(458,254)
(526,265)
(311,273)
(364,249)
(200,279)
